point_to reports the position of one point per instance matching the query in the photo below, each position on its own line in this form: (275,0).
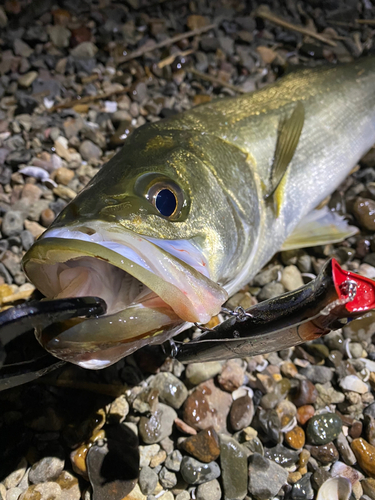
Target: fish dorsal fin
(319,227)
(289,133)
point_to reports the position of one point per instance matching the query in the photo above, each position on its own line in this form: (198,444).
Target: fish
(192,207)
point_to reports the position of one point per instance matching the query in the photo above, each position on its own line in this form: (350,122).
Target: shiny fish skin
(221,156)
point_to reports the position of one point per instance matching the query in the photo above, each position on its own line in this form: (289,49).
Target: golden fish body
(193,206)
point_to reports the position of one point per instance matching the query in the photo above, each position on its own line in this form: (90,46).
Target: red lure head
(364,296)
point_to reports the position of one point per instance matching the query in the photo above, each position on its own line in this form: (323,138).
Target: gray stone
(21,48)
(46,469)
(12,224)
(195,472)
(85,50)
(89,150)
(302,489)
(173,461)
(266,276)
(317,374)
(291,278)
(16,476)
(208,491)
(266,478)
(233,460)
(146,453)
(167,478)
(159,426)
(59,35)
(171,390)
(345,450)
(270,291)
(148,479)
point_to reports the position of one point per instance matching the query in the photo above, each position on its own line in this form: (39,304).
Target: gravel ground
(75,79)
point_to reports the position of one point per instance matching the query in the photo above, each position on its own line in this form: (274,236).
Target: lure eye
(167,198)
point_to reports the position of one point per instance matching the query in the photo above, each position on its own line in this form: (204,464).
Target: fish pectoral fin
(288,137)
(319,227)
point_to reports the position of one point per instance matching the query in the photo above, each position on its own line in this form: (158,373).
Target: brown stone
(194,22)
(204,446)
(63,175)
(368,486)
(365,454)
(306,393)
(241,413)
(355,430)
(326,453)
(231,376)
(47,217)
(207,406)
(288,369)
(295,438)
(304,413)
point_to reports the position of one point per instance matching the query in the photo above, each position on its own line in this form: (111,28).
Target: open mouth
(150,293)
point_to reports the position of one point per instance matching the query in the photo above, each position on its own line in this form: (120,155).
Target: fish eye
(167,197)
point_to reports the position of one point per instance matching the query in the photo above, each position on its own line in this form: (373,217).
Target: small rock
(208,491)
(266,478)
(21,48)
(241,413)
(302,489)
(345,451)
(43,491)
(233,460)
(231,376)
(204,446)
(46,469)
(13,493)
(323,428)
(281,455)
(118,410)
(16,476)
(196,373)
(70,489)
(368,486)
(167,478)
(364,211)
(173,462)
(295,438)
(339,469)
(195,472)
(158,459)
(85,50)
(325,453)
(12,224)
(270,291)
(365,454)
(158,426)
(148,479)
(207,406)
(354,383)
(304,413)
(171,390)
(47,216)
(267,275)
(306,393)
(146,453)
(60,36)
(27,79)
(317,374)
(291,278)
(89,151)
(63,175)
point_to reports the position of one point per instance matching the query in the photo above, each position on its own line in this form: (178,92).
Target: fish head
(139,236)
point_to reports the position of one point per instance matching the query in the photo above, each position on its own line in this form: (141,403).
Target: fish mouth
(151,294)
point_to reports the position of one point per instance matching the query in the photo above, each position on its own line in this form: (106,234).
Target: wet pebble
(365,454)
(346,452)
(168,479)
(196,373)
(317,374)
(304,413)
(339,469)
(231,376)
(171,390)
(321,429)
(241,413)
(325,453)
(354,383)
(207,406)
(43,491)
(364,211)
(266,478)
(295,438)
(302,489)
(233,460)
(208,491)
(204,446)
(281,455)
(368,486)
(195,472)
(158,426)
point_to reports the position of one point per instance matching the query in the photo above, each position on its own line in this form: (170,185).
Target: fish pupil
(166,202)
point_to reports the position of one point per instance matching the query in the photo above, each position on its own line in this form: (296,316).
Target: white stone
(353,383)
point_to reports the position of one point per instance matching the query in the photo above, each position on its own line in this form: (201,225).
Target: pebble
(323,428)
(302,489)
(281,455)
(155,428)
(325,453)
(204,446)
(146,453)
(346,452)
(291,278)
(171,390)
(267,275)
(304,413)
(317,374)
(63,175)
(368,486)
(69,485)
(118,410)
(305,394)
(266,478)
(168,479)
(12,224)
(27,79)
(207,406)
(195,472)
(207,491)
(295,438)
(196,373)
(43,491)
(13,494)
(241,413)
(47,216)
(173,462)
(46,469)
(233,460)
(15,477)
(88,150)
(364,211)
(148,479)
(339,469)
(365,454)
(231,376)
(270,291)
(354,383)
